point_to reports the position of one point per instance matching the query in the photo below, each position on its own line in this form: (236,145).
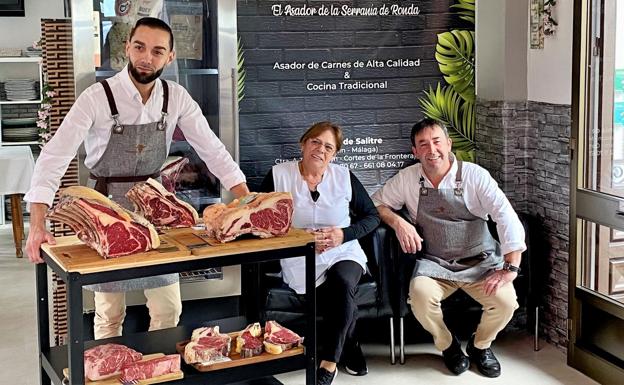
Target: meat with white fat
(262,214)
(162,208)
(106,360)
(144,370)
(102,224)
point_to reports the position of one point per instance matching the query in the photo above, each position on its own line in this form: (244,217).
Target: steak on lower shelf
(143,370)
(210,347)
(102,224)
(278,339)
(105,361)
(160,207)
(249,341)
(263,214)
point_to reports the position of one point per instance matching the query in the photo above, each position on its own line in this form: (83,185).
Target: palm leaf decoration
(455,56)
(242,73)
(445,105)
(465,9)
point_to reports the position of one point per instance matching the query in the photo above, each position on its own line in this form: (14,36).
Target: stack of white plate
(19,130)
(21,89)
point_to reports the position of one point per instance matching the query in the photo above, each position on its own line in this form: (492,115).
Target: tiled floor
(521,365)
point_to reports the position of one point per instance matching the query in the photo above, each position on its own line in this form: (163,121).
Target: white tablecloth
(16,169)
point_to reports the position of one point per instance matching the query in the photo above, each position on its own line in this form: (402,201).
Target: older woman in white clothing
(330,201)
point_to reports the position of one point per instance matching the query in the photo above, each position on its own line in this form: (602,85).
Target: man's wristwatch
(509,267)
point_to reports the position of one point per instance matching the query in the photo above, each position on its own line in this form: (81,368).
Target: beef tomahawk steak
(263,214)
(160,207)
(106,361)
(102,224)
(170,172)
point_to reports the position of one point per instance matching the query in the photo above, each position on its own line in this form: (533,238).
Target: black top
(362,210)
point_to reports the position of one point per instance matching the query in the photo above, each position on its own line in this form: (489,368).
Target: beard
(143,78)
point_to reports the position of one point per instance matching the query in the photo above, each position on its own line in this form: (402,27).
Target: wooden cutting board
(115,379)
(200,244)
(236,359)
(71,253)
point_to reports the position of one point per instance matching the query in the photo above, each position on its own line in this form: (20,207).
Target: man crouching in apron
(450,200)
(127,124)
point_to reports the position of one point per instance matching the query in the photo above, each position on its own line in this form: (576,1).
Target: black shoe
(485,360)
(454,359)
(324,376)
(353,360)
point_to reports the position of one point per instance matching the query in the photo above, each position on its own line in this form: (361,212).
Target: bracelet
(512,268)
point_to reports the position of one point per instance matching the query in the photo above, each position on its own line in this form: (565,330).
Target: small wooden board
(200,244)
(236,359)
(115,379)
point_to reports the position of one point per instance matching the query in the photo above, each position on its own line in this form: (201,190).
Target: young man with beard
(449,202)
(127,123)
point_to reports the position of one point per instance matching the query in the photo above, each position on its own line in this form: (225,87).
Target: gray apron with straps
(134,153)
(457,245)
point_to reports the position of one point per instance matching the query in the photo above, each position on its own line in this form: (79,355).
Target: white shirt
(481,195)
(330,209)
(90,120)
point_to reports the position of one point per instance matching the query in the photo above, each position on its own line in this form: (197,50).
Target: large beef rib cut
(207,346)
(170,172)
(102,224)
(162,208)
(278,339)
(263,214)
(143,370)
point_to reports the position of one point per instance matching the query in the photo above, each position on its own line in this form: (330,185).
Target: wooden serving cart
(181,250)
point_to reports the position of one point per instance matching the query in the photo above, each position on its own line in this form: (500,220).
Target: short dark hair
(153,22)
(426,123)
(318,128)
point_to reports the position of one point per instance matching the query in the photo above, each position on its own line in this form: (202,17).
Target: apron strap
(459,190)
(110,98)
(101,182)
(165,96)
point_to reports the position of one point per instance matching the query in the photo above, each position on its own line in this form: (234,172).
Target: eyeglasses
(328,147)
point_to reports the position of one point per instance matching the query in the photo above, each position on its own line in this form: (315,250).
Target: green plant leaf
(445,104)
(468,156)
(455,57)
(465,9)
(240,69)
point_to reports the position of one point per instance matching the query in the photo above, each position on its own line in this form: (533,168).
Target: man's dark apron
(134,153)
(457,244)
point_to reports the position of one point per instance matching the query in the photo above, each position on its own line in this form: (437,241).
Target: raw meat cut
(263,214)
(249,341)
(102,224)
(105,361)
(210,347)
(170,172)
(278,339)
(160,207)
(142,370)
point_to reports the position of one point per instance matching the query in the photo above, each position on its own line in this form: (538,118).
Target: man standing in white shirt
(127,123)
(449,201)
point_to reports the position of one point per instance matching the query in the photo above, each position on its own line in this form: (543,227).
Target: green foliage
(455,56)
(453,104)
(465,10)
(242,73)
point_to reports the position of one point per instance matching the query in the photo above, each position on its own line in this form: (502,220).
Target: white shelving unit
(18,67)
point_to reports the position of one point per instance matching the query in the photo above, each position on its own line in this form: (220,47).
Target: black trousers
(336,302)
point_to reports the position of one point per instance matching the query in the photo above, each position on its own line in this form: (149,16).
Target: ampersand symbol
(347,75)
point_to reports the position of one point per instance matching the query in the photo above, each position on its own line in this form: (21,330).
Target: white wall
(550,69)
(21,32)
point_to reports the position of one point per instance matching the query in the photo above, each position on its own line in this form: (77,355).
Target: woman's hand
(327,238)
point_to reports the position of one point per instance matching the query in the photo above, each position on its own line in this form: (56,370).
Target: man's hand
(37,233)
(497,279)
(328,238)
(408,237)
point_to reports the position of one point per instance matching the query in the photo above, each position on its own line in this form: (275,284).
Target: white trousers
(425,295)
(164,305)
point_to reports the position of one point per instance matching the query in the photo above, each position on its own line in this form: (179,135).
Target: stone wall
(525,146)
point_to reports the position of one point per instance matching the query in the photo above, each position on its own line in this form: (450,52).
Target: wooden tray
(236,359)
(200,244)
(115,379)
